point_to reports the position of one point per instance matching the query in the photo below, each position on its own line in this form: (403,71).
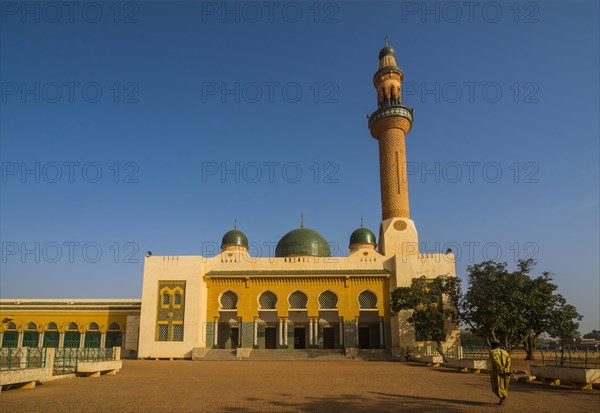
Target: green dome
(363,236)
(387,51)
(234,237)
(302,241)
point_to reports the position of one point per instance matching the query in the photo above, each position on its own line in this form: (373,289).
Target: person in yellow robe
(500,361)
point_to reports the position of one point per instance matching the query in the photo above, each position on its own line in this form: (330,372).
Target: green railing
(451,352)
(21,358)
(571,357)
(66,359)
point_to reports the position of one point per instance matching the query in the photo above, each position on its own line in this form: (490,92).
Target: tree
(515,308)
(433,304)
(594,334)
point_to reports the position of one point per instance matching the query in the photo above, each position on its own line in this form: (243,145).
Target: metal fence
(21,358)
(66,359)
(451,352)
(571,357)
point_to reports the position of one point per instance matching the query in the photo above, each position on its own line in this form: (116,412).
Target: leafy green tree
(433,305)
(515,308)
(595,334)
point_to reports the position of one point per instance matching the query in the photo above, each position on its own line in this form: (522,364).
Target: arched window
(229,300)
(51,336)
(166,298)
(367,300)
(267,301)
(92,336)
(298,300)
(113,327)
(31,336)
(328,300)
(10,337)
(72,336)
(177,298)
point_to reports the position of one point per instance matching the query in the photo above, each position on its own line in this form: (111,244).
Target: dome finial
(361,222)
(234,223)
(386,40)
(302,220)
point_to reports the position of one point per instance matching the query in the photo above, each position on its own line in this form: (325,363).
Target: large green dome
(234,237)
(302,242)
(363,236)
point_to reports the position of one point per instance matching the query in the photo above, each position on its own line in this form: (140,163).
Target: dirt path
(297,386)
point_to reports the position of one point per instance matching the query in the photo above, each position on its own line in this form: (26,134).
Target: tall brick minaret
(389,124)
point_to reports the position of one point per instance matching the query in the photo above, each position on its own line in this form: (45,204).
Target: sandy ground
(289,386)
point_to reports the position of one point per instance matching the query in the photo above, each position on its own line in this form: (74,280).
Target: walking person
(500,361)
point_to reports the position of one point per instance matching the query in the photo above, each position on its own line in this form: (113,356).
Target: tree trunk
(530,347)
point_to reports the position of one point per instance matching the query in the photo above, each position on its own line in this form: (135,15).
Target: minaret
(389,124)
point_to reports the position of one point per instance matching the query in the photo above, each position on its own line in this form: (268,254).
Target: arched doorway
(227,327)
(326,331)
(31,337)
(370,329)
(298,316)
(51,336)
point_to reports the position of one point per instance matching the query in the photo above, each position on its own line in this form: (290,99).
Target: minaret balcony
(391,111)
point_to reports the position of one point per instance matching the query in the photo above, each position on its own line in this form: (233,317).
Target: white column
(81,340)
(316,332)
(1,337)
(255,333)
(380,332)
(102,340)
(241,326)
(20,339)
(341,331)
(310,332)
(41,340)
(281,332)
(356,333)
(61,339)
(216,332)
(285,332)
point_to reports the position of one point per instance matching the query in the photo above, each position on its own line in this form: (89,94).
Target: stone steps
(219,355)
(298,354)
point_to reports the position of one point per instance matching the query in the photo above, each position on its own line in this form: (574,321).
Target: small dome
(363,236)
(234,237)
(387,51)
(302,242)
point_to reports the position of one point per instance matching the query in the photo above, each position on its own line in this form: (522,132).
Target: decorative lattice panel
(177,332)
(31,326)
(298,300)
(328,300)
(267,300)
(177,298)
(51,326)
(93,326)
(72,326)
(113,326)
(229,300)
(367,300)
(162,332)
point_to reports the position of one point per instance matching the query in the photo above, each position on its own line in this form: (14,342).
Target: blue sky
(150,126)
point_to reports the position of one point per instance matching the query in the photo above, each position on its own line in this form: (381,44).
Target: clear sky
(137,126)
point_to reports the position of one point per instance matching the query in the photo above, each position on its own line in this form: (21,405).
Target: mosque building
(302,298)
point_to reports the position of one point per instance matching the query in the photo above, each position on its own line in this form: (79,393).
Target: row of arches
(34,335)
(298,300)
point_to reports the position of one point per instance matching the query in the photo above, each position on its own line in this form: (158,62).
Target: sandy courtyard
(295,386)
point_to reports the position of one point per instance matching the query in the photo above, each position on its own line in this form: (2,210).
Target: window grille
(328,300)
(11,326)
(72,326)
(72,339)
(31,338)
(51,339)
(177,298)
(113,339)
(31,326)
(163,332)
(166,298)
(51,326)
(367,300)
(298,300)
(177,332)
(114,326)
(93,326)
(267,300)
(229,300)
